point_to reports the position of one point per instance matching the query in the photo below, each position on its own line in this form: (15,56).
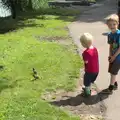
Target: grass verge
(56,64)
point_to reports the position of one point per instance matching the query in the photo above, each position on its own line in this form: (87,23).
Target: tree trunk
(13,9)
(30,5)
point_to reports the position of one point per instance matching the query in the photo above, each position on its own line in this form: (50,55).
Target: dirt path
(93,21)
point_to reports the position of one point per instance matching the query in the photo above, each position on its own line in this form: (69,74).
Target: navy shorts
(89,78)
(114,67)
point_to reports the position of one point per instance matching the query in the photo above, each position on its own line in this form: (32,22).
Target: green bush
(33,4)
(37,4)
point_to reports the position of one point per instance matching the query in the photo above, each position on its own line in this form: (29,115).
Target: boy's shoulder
(118,32)
(88,51)
(111,34)
(85,52)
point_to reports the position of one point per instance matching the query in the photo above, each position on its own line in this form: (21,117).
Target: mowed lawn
(57,66)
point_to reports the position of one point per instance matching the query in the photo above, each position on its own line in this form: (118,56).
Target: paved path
(93,21)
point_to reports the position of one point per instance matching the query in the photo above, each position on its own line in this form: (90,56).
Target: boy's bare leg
(113,83)
(113,79)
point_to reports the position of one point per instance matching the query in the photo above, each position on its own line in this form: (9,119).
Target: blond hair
(85,39)
(113,17)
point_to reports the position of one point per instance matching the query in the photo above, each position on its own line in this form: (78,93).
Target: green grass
(56,64)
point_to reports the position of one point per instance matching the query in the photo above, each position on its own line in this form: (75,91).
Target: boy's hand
(86,62)
(109,58)
(112,58)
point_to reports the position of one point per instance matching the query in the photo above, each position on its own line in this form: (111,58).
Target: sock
(88,88)
(112,82)
(112,79)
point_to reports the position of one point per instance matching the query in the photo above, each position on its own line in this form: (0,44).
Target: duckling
(35,74)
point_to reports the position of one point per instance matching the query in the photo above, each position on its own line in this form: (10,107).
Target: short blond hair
(85,39)
(113,17)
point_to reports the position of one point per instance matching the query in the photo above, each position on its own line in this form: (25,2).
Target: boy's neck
(90,47)
(114,31)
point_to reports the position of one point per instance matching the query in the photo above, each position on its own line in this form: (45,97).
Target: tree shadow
(6,84)
(8,24)
(79,99)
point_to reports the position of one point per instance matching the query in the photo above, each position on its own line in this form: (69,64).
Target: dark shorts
(114,67)
(89,78)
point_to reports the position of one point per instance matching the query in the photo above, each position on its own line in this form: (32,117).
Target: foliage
(24,4)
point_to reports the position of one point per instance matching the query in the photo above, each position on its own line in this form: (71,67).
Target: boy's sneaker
(109,90)
(115,86)
(87,92)
(111,87)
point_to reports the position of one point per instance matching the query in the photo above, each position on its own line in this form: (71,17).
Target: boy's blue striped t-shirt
(114,39)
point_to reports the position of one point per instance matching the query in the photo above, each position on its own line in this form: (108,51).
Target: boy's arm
(85,58)
(117,53)
(110,42)
(110,50)
(112,58)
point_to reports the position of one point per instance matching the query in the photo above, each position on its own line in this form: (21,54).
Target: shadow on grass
(6,84)
(93,15)
(8,24)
